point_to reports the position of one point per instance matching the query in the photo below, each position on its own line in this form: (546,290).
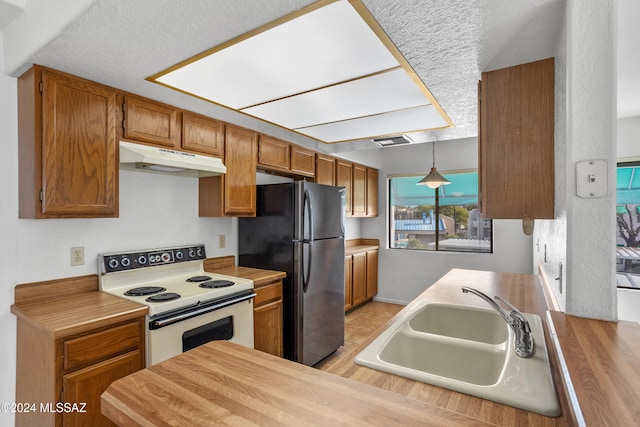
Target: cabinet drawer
(98,346)
(268,294)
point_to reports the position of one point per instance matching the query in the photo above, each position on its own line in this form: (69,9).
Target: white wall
(582,236)
(155,210)
(629,139)
(404,274)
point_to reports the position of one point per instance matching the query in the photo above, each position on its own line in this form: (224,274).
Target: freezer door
(320,209)
(322,291)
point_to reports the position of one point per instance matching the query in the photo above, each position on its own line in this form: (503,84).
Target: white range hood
(161,160)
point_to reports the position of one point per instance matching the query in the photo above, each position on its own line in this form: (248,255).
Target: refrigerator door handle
(308,215)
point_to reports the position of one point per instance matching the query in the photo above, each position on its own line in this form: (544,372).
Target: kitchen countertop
(223,383)
(603,362)
(70,306)
(237,385)
(523,291)
(226,265)
(360,245)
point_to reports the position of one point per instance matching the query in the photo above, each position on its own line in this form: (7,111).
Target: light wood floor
(360,323)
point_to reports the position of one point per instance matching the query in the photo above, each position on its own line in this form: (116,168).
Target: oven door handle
(160,323)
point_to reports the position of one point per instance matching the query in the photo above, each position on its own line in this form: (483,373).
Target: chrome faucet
(516,320)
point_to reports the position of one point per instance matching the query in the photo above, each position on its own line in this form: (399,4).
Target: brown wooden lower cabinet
(360,278)
(65,376)
(372,273)
(348,282)
(268,318)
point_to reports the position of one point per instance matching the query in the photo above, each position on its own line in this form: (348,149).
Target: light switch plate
(591,179)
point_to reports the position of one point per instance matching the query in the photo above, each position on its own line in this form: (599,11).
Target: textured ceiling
(448,44)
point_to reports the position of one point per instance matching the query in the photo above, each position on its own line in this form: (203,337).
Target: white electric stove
(187,306)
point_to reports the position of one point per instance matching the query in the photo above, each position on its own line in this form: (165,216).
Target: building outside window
(452,223)
(628,225)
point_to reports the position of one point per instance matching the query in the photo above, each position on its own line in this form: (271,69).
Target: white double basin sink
(469,350)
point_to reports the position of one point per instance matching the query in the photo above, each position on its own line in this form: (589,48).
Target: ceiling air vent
(393,140)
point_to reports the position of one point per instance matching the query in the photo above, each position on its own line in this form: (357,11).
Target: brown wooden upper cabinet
(516,153)
(151,122)
(303,161)
(344,178)
(67,149)
(359,194)
(281,156)
(233,194)
(202,134)
(325,169)
(372,192)
(274,154)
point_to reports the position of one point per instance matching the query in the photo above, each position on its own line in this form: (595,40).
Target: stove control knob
(142,260)
(165,257)
(179,255)
(192,253)
(200,252)
(113,263)
(125,262)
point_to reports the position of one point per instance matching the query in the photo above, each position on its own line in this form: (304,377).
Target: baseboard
(390,301)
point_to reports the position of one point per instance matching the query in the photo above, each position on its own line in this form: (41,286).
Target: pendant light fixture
(434,179)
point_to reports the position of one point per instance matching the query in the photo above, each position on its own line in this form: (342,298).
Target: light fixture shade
(433,179)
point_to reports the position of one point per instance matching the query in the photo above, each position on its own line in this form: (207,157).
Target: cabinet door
(86,385)
(372,192)
(325,169)
(268,319)
(202,134)
(232,194)
(273,153)
(344,179)
(303,161)
(516,153)
(372,273)
(79,151)
(241,151)
(359,293)
(151,122)
(268,328)
(348,282)
(359,194)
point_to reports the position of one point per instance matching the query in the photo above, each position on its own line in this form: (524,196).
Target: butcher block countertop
(603,362)
(222,382)
(226,265)
(360,245)
(64,307)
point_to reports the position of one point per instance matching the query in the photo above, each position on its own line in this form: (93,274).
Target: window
(628,225)
(451,223)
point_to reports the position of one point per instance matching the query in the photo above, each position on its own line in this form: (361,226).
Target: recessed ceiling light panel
(325,64)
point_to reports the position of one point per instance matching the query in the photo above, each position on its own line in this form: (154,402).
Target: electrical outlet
(221,241)
(77,255)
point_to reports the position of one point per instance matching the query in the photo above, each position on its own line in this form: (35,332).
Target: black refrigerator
(299,229)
